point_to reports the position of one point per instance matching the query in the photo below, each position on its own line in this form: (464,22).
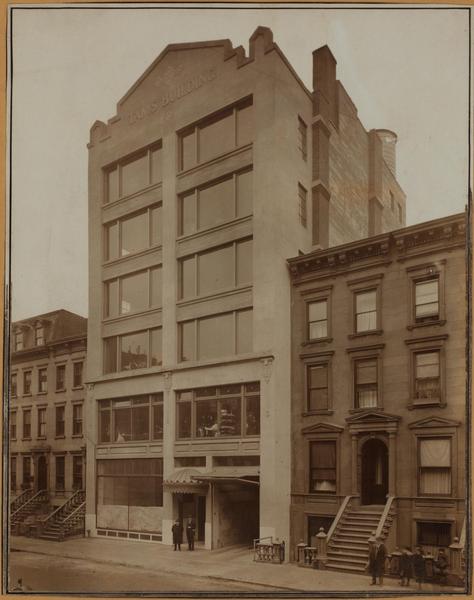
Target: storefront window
(131,419)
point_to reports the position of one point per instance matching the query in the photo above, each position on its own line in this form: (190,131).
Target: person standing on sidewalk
(190,533)
(177,535)
(376,563)
(406,566)
(419,566)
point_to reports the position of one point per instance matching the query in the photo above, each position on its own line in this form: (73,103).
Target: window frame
(27,391)
(333,439)
(59,432)
(41,410)
(13,425)
(418,274)
(428,437)
(302,144)
(119,297)
(19,340)
(303,205)
(361,286)
(42,370)
(61,367)
(76,385)
(107,405)
(117,343)
(313,296)
(25,432)
(75,420)
(316,360)
(39,327)
(358,354)
(423,346)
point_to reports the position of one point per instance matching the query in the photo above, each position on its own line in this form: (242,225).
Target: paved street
(91,564)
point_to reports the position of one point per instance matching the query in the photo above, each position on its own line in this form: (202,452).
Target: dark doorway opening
(374,472)
(42,477)
(193,506)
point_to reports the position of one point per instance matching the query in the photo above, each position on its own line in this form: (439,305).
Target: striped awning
(184,481)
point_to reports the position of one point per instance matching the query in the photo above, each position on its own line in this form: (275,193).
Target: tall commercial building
(216,168)
(379,392)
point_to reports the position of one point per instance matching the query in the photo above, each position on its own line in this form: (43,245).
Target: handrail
(60,508)
(21,499)
(462,537)
(383,518)
(257,540)
(340,512)
(73,512)
(27,502)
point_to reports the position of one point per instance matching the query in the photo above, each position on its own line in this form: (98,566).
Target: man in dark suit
(376,564)
(190,533)
(177,535)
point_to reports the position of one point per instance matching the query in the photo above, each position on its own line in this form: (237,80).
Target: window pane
(317,311)
(134,351)
(184,419)
(188,213)
(112,243)
(216,336)
(140,422)
(244,262)
(244,331)
(427,365)
(366,372)
(156,287)
(216,204)
(244,193)
(78,369)
(318,330)
(188,341)
(188,150)
(426,292)
(229,416)
(245,125)
(110,355)
(318,376)
(104,435)
(156,225)
(435,453)
(367,397)
(134,234)
(318,399)
(156,158)
(156,347)
(435,481)
(188,277)
(206,418)
(217,136)
(123,424)
(216,270)
(135,175)
(43,380)
(134,293)
(365,302)
(111,298)
(112,185)
(158,421)
(252,415)
(367,321)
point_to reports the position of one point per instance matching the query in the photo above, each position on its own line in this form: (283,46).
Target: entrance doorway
(193,506)
(374,472)
(42,475)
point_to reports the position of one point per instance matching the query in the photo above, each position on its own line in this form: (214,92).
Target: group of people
(177,531)
(411,564)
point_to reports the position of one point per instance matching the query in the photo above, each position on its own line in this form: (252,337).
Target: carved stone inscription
(173,94)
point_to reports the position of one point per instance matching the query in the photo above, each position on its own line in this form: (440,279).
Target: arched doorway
(374,472)
(42,476)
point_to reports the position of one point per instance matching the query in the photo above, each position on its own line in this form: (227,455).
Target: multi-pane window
(13,473)
(39,335)
(365,383)
(217,336)
(77,419)
(26,383)
(366,311)
(78,368)
(215,203)
(322,458)
(27,479)
(14,384)
(137,418)
(60,419)
(228,410)
(60,377)
(317,386)
(433,534)
(133,293)
(302,199)
(42,422)
(19,344)
(77,468)
(60,473)
(42,380)
(427,377)
(138,350)
(435,466)
(27,424)
(217,134)
(215,270)
(13,425)
(302,138)
(427,300)
(133,174)
(318,319)
(133,233)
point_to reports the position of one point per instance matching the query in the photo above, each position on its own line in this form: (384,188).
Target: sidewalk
(234,564)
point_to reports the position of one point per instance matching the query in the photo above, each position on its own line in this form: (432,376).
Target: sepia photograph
(237,300)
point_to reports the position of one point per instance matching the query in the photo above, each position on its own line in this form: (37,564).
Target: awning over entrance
(229,476)
(184,481)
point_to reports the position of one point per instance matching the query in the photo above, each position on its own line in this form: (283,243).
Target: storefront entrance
(374,472)
(192,507)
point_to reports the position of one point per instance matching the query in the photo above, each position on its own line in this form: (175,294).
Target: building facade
(216,168)
(46,405)
(379,391)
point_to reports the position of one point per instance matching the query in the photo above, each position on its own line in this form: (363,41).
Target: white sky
(405,69)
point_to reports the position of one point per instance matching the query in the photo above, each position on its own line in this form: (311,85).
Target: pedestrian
(441,566)
(406,566)
(419,566)
(376,562)
(177,535)
(190,533)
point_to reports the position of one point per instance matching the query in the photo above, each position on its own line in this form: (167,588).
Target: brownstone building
(216,168)
(379,391)
(46,407)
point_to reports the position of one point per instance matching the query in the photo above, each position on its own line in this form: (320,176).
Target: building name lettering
(181,90)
